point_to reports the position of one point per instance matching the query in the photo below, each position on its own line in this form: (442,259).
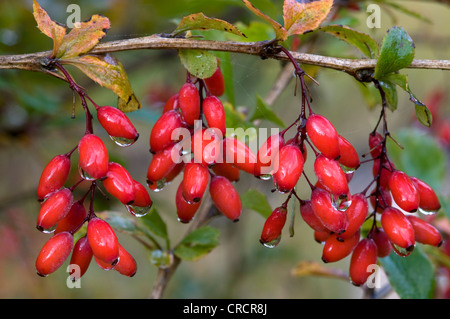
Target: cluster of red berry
(63,216)
(181,141)
(336,215)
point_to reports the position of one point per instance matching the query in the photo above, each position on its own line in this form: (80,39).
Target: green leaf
(411,277)
(198,21)
(109,72)
(201,64)
(397,52)
(153,222)
(255,200)
(390,92)
(407,11)
(365,43)
(198,243)
(423,114)
(263,112)
(421,156)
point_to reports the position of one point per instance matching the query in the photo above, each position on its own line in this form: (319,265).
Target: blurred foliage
(36,124)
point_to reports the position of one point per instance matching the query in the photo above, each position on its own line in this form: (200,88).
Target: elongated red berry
(214,113)
(331,176)
(398,228)
(382,241)
(54,175)
(103,241)
(310,217)
(357,213)
(161,134)
(333,219)
(349,158)
(425,233)
(323,135)
(227,170)
(216,83)
(73,219)
(120,184)
(267,158)
(206,146)
(195,182)
(81,257)
(383,173)
(161,164)
(189,103)
(225,197)
(171,104)
(290,168)
(93,157)
(336,249)
(54,209)
(429,202)
(117,125)
(54,253)
(404,192)
(127,264)
(239,155)
(364,257)
(273,227)
(185,211)
(375,144)
(142,202)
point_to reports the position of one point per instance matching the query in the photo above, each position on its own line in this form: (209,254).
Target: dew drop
(402,252)
(265,177)
(426,212)
(48,230)
(85,175)
(122,141)
(272,243)
(347,170)
(157,186)
(137,210)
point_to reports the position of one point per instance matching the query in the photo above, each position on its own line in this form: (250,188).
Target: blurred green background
(36,124)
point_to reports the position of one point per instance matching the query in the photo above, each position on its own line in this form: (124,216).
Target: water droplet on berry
(161,259)
(272,243)
(85,175)
(159,185)
(137,210)
(426,212)
(347,170)
(48,230)
(122,141)
(265,177)
(402,252)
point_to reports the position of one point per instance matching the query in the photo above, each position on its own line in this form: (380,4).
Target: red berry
(289,168)
(384,173)
(398,228)
(323,135)
(54,253)
(425,233)
(54,176)
(310,217)
(267,156)
(171,104)
(206,146)
(127,264)
(333,219)
(382,241)
(363,257)
(185,210)
(403,191)
(117,125)
(227,170)
(321,236)
(195,182)
(225,197)
(216,83)
(331,176)
(357,213)
(349,157)
(103,241)
(189,103)
(81,256)
(429,202)
(161,164)
(214,113)
(336,249)
(375,144)
(73,219)
(239,155)
(161,134)
(142,202)
(273,226)
(54,209)
(120,184)
(93,157)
